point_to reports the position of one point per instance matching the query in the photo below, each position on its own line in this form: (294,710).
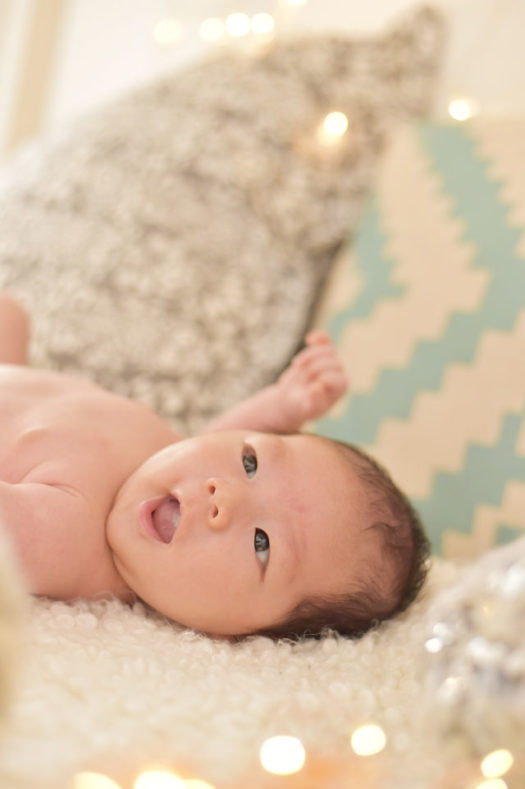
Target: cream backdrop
(90,52)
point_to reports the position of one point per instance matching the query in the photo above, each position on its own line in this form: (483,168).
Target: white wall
(13,23)
(107,46)
(486,53)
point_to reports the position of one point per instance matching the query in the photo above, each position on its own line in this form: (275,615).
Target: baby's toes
(324,392)
(318,337)
(312,362)
(335,383)
(325,368)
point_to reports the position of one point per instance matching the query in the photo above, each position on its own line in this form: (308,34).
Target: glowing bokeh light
(331,130)
(263,23)
(492,783)
(461,109)
(282,755)
(434,645)
(238,25)
(335,123)
(93,781)
(368,740)
(158,779)
(212,29)
(167,31)
(195,783)
(497,763)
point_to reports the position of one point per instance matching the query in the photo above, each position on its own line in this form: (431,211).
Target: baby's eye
(249,461)
(261,543)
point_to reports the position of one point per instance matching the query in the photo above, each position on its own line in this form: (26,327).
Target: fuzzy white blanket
(116,689)
(106,687)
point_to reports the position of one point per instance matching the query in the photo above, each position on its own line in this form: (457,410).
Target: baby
(251,527)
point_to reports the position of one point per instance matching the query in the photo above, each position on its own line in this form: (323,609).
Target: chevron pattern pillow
(428,309)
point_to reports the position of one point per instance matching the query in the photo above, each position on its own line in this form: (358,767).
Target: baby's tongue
(166,518)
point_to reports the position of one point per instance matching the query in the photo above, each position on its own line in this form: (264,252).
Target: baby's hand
(312,383)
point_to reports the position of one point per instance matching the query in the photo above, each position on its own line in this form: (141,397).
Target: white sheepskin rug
(108,688)
(12,600)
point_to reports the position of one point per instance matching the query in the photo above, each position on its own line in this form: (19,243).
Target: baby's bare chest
(73,431)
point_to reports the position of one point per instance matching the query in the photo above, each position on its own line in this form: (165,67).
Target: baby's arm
(14,331)
(47,525)
(312,383)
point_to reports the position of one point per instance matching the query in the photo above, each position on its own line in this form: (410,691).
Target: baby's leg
(14,331)
(312,383)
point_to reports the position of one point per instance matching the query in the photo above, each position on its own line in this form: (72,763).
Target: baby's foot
(312,383)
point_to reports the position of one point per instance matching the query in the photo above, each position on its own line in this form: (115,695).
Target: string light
(336,123)
(461,109)
(159,779)
(332,128)
(212,30)
(434,645)
(492,783)
(167,31)
(368,740)
(238,25)
(263,23)
(497,763)
(89,780)
(282,755)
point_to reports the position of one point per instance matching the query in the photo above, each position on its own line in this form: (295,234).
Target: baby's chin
(204,626)
(119,536)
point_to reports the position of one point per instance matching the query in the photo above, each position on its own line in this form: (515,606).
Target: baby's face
(226,533)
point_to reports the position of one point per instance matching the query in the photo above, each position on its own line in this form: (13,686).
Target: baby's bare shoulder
(30,383)
(72,427)
(51,397)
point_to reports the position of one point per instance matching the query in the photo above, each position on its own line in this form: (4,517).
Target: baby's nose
(221,503)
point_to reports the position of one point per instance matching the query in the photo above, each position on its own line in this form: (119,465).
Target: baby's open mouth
(165,518)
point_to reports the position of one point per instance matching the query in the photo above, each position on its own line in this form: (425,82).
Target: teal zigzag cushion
(427,307)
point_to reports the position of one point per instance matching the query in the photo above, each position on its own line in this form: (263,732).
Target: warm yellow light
(434,645)
(461,109)
(93,781)
(212,29)
(167,31)
(195,783)
(263,23)
(282,755)
(492,783)
(158,779)
(497,763)
(238,25)
(336,123)
(333,127)
(368,740)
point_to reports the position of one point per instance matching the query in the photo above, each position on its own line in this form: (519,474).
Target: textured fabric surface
(172,246)
(111,688)
(428,309)
(12,600)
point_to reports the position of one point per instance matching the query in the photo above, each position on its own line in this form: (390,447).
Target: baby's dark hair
(404,547)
